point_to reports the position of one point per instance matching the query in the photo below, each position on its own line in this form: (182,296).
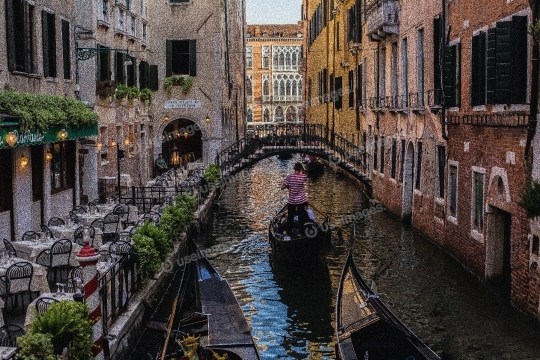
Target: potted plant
(146,95)
(530,198)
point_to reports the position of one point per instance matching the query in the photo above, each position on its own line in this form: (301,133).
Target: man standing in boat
(297,197)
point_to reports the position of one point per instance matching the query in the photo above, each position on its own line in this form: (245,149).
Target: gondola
(303,244)
(206,318)
(366,328)
(285,156)
(314,168)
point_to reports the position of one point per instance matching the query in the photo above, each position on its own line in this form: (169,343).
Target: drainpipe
(535,71)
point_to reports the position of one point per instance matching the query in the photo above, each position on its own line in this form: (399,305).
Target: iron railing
(117,286)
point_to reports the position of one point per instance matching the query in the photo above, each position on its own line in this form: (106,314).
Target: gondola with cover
(207,320)
(303,243)
(366,329)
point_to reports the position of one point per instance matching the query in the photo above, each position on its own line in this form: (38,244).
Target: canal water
(291,310)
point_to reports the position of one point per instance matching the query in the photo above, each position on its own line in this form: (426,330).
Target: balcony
(382,18)
(416,101)
(435,99)
(377,104)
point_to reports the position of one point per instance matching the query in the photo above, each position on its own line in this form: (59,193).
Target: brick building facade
(440,102)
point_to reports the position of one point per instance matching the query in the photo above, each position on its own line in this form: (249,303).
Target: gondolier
(297,197)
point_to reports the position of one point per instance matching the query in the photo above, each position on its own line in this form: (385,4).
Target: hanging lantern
(11,138)
(62,134)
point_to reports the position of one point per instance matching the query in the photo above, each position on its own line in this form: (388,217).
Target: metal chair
(60,254)
(74,217)
(78,235)
(122,210)
(19,278)
(72,282)
(9,334)
(30,235)
(110,226)
(97,224)
(9,247)
(43,303)
(79,210)
(47,231)
(120,248)
(122,236)
(56,221)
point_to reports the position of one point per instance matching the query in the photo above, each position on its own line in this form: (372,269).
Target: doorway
(408,184)
(498,250)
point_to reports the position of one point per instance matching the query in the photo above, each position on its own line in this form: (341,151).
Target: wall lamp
(99,146)
(11,138)
(63,134)
(186,135)
(207,118)
(113,143)
(126,142)
(48,156)
(166,118)
(23,161)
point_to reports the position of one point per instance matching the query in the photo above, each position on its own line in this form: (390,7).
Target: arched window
(250,115)
(299,87)
(282,88)
(291,114)
(281,60)
(288,60)
(275,62)
(288,88)
(294,61)
(266,115)
(294,92)
(266,88)
(278,114)
(276,87)
(249,86)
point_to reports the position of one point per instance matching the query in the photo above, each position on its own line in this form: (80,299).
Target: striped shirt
(295,182)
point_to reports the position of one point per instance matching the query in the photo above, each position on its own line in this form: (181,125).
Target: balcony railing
(382,18)
(435,99)
(416,101)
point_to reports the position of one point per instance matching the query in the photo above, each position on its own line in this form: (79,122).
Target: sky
(273,11)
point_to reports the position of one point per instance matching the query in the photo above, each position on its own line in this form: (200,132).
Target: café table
(31,310)
(39,278)
(29,250)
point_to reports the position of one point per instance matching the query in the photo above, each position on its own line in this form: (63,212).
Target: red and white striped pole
(88,258)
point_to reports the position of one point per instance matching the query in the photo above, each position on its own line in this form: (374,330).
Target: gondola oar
(169,328)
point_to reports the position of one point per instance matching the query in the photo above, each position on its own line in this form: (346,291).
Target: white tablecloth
(39,277)
(29,250)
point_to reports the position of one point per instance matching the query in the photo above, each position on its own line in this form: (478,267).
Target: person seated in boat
(297,196)
(310,213)
(282,225)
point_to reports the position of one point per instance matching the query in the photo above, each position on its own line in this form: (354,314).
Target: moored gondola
(366,328)
(301,243)
(314,168)
(207,320)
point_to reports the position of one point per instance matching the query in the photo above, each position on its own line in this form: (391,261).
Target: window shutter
(503,58)
(491,65)
(192,57)
(168,68)
(519,60)
(66,49)
(119,76)
(478,76)
(45,40)
(359,83)
(332,88)
(153,81)
(450,76)
(338,95)
(10,21)
(437,52)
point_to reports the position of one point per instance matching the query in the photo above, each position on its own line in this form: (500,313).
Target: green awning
(37,137)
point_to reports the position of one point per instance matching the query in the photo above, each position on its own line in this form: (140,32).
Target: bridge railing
(294,138)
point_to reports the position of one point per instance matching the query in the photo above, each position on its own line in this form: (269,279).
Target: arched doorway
(291,114)
(181,142)
(408,184)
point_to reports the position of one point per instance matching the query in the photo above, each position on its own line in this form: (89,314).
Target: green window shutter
(10,35)
(491,66)
(450,76)
(437,52)
(519,60)
(144,70)
(359,82)
(153,82)
(66,49)
(503,58)
(45,40)
(478,75)
(168,68)
(119,73)
(192,57)
(338,92)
